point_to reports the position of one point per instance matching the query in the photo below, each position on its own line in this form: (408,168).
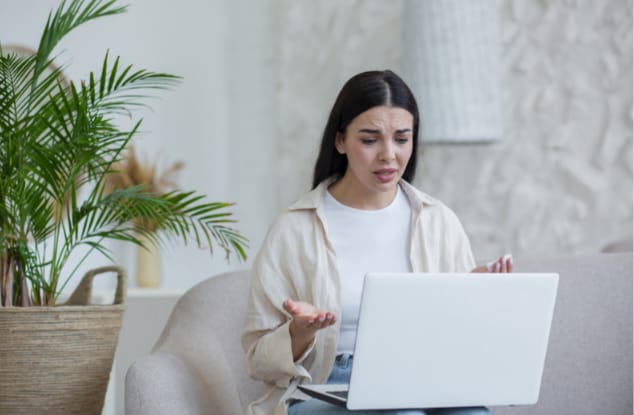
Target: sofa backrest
(205,327)
(588,368)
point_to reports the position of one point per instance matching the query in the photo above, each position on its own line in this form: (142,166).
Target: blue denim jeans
(341,374)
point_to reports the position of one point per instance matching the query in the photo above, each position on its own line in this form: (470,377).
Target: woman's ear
(339,143)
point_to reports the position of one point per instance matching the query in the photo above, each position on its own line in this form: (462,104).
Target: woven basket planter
(57,360)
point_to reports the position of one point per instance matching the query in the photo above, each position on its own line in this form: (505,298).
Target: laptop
(439,340)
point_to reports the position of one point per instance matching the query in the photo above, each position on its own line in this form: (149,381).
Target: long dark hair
(362,92)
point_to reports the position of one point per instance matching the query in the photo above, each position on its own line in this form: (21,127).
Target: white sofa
(197,365)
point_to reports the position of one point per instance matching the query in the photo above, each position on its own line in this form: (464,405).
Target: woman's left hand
(502,264)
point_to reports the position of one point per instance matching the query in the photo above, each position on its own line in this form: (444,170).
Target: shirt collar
(314,198)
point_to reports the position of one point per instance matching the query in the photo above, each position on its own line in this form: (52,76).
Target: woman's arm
(275,342)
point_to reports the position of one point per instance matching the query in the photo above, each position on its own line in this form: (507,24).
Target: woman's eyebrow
(373,131)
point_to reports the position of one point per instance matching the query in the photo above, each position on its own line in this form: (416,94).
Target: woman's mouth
(386,175)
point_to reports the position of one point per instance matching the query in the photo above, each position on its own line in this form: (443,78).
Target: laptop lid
(451,340)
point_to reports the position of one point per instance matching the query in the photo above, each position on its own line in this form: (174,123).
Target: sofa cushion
(588,368)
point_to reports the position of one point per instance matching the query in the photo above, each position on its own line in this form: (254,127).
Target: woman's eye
(402,140)
(368,140)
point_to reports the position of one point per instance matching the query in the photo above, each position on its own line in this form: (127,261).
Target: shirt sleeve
(457,248)
(463,254)
(266,337)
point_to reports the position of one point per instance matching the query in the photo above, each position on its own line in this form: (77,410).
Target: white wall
(218,120)
(261,76)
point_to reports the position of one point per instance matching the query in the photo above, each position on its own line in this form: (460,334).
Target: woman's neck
(351,193)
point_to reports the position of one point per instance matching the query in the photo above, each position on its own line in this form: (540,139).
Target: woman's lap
(317,407)
(341,374)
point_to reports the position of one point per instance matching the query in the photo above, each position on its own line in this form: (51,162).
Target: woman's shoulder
(428,205)
(292,220)
(418,198)
(298,218)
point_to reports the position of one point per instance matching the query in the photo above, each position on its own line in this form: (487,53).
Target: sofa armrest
(164,383)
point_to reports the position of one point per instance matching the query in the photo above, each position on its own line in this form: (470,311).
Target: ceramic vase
(148,264)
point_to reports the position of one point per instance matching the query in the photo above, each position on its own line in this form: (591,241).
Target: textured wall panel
(560,180)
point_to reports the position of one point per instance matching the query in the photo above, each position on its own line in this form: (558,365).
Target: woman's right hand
(308,317)
(307,320)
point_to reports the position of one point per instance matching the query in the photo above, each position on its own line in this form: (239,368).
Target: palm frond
(116,90)
(64,20)
(15,81)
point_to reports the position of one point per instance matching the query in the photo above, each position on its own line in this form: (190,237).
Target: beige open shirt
(298,261)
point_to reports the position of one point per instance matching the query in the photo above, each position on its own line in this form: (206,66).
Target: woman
(362,215)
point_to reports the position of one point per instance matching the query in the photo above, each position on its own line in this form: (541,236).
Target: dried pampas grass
(132,171)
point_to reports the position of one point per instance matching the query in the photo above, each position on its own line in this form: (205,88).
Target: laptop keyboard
(340,394)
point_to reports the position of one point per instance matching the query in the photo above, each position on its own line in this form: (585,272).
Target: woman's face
(378,144)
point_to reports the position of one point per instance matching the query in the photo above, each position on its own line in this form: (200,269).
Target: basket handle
(81,295)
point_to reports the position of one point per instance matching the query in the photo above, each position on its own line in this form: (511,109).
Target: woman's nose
(387,152)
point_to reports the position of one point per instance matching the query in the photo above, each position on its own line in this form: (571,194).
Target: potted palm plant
(58,143)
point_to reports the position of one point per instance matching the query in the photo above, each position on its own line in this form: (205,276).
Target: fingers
(290,306)
(307,315)
(493,265)
(299,308)
(316,322)
(481,269)
(502,264)
(322,320)
(508,263)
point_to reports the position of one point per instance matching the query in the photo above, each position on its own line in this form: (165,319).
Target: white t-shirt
(366,241)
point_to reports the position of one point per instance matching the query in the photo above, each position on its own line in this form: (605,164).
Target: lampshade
(451,60)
